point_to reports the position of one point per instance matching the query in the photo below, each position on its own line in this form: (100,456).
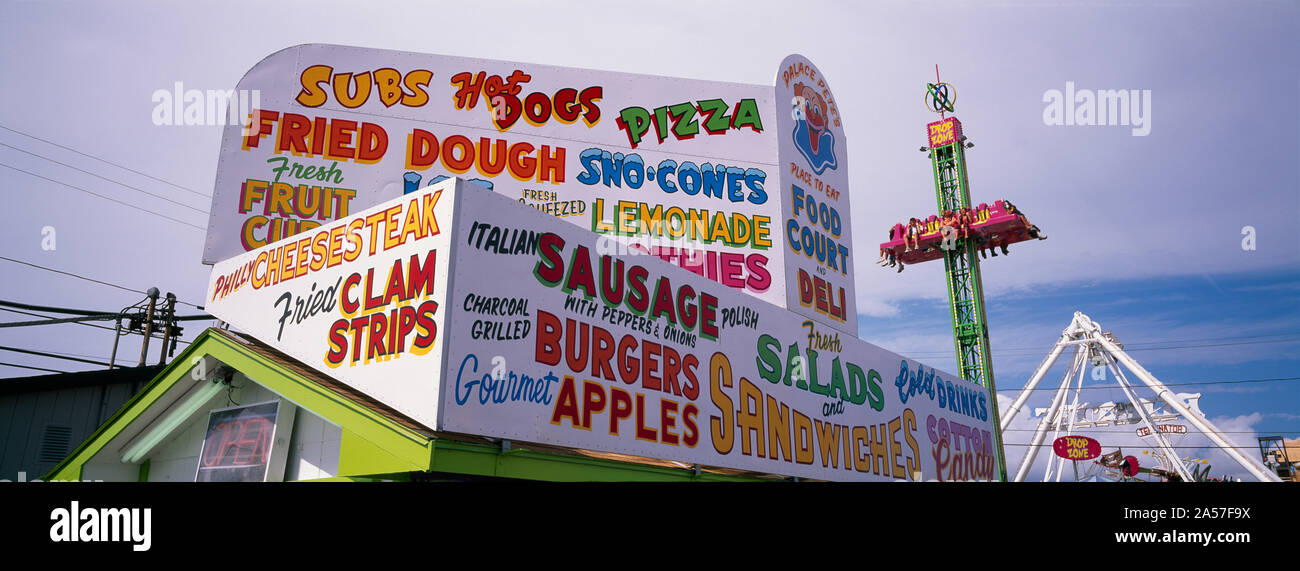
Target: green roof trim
(382,434)
(70,468)
(491,460)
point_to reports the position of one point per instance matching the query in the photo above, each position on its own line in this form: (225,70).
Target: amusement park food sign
(683,170)
(473,314)
(360,299)
(815,196)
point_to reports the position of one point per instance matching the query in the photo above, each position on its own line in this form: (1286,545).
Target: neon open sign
(238,443)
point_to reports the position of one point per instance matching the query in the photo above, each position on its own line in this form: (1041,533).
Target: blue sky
(1145,232)
(1230,329)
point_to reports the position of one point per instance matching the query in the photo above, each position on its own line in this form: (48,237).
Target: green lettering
(769,363)
(684,125)
(857,385)
(746,115)
(817,388)
(877,394)
(795,368)
(716,121)
(837,381)
(635,121)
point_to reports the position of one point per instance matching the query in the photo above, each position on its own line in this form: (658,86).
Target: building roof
(98,377)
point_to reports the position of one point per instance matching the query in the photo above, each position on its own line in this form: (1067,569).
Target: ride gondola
(995,226)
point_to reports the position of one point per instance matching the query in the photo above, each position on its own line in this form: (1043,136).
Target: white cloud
(877,308)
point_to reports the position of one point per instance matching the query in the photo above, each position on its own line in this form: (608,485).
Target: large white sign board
(360,299)
(686,170)
(533,329)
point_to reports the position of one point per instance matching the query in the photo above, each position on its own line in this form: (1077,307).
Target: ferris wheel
(1154,428)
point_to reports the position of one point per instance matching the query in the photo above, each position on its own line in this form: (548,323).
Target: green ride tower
(947,151)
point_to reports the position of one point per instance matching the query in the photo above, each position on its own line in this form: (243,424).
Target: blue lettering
(590,160)
(667,167)
(901,381)
(612,165)
(796,202)
(714,179)
(511,386)
(754,179)
(615,169)
(460,399)
(687,171)
(634,171)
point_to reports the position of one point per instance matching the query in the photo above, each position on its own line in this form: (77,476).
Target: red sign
(944,132)
(1076,448)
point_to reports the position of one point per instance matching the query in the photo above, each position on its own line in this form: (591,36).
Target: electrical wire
(127,204)
(135,188)
(1214,345)
(1049,445)
(1018,351)
(72,354)
(56,321)
(34,368)
(78,276)
(107,162)
(1085,431)
(50,309)
(48,317)
(51,355)
(155,335)
(1189,383)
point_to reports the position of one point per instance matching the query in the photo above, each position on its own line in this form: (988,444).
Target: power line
(1126,345)
(99,176)
(51,355)
(107,162)
(1215,345)
(83,315)
(78,276)
(34,368)
(50,309)
(1023,353)
(1038,350)
(1210,446)
(47,316)
(71,354)
(1210,339)
(1085,431)
(1224,382)
(56,321)
(156,335)
(103,197)
(93,313)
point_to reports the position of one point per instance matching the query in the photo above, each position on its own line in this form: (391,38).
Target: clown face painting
(812,136)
